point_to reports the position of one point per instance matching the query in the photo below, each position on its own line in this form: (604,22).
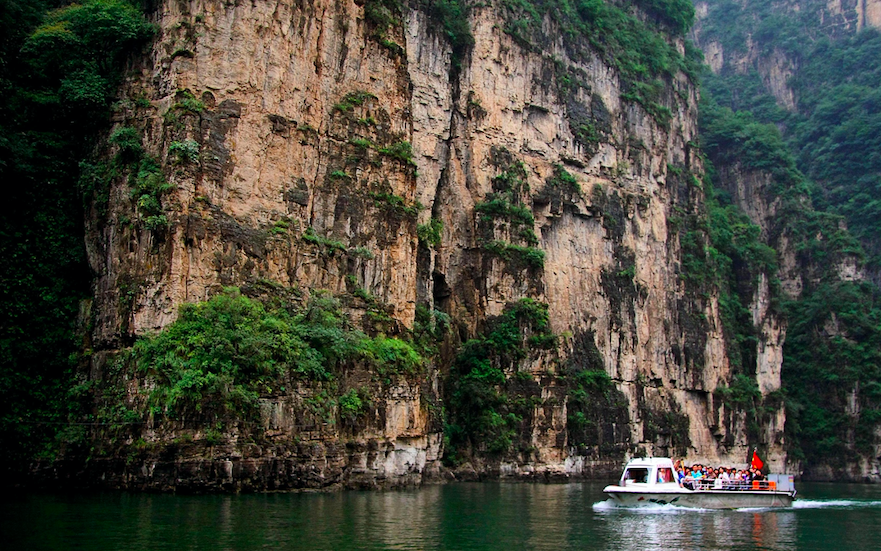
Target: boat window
(665,474)
(637,474)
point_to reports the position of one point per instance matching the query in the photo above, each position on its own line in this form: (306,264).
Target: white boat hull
(701,499)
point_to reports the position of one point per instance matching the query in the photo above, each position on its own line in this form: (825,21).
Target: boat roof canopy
(650,462)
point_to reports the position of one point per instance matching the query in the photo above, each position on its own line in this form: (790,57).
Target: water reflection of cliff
(458,516)
(480,516)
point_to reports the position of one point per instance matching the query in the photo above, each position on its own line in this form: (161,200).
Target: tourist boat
(651,481)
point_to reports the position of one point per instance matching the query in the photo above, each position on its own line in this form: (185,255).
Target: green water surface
(503,516)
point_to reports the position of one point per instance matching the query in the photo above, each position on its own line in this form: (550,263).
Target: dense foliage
(220,356)
(834,136)
(831,354)
(837,140)
(58,73)
(833,371)
(488,396)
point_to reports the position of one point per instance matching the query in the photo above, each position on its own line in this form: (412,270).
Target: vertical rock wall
(300,110)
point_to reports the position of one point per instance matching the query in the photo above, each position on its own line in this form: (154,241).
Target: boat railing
(732,485)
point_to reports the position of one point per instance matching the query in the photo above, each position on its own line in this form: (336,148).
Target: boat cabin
(649,471)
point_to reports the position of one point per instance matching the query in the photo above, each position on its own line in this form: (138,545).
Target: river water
(503,516)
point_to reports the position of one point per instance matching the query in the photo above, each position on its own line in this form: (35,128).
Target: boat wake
(815,504)
(837,503)
(649,509)
(654,508)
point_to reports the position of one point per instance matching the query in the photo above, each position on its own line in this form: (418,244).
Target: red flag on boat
(757,463)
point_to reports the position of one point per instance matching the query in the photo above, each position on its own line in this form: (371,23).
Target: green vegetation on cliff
(489,395)
(833,372)
(831,356)
(638,47)
(824,169)
(221,355)
(597,417)
(221,364)
(838,141)
(504,211)
(723,255)
(449,18)
(834,134)
(740,258)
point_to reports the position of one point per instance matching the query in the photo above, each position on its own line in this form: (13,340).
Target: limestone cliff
(774,53)
(322,139)
(771,52)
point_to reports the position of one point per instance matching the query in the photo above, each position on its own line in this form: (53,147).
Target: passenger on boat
(693,477)
(724,479)
(680,472)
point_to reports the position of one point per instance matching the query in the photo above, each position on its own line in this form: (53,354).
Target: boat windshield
(636,474)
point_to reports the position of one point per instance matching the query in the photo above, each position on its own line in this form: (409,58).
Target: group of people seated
(721,477)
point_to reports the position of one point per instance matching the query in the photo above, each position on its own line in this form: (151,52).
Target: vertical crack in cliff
(319,144)
(434,277)
(319,42)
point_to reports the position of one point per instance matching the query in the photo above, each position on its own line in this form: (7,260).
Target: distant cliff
(787,122)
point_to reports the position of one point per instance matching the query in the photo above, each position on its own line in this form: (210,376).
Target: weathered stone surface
(277,144)
(317,465)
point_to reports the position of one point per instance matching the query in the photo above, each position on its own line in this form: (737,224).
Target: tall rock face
(309,144)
